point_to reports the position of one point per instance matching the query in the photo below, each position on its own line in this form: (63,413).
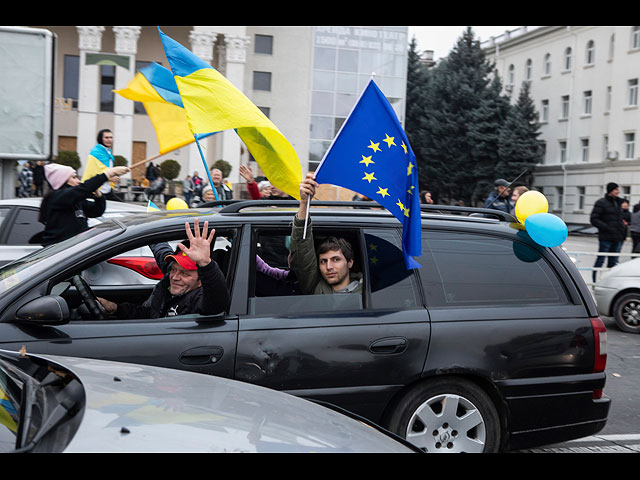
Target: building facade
(584,83)
(305,79)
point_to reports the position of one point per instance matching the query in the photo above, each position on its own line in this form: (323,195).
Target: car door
(351,350)
(19,229)
(204,344)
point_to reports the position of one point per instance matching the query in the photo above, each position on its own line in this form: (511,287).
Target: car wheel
(448,416)
(626,312)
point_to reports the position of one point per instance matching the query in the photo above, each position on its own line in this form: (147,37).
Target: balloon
(530,203)
(546,229)
(176,204)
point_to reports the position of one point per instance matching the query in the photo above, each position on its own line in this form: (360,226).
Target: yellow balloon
(529,203)
(176,204)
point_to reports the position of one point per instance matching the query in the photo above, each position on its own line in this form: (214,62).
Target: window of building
(263,44)
(547,64)
(512,72)
(528,69)
(581,195)
(605,146)
(590,53)
(262,81)
(584,149)
(107,85)
(567,58)
(635,37)
(607,106)
(565,107)
(559,198)
(545,110)
(612,44)
(587,102)
(71,79)
(629,145)
(632,96)
(563,151)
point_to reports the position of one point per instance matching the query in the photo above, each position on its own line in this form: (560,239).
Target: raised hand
(199,249)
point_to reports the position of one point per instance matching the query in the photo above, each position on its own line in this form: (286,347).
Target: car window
(4,212)
(466,269)
(391,284)
(25,227)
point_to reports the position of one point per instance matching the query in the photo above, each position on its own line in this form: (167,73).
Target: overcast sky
(442,39)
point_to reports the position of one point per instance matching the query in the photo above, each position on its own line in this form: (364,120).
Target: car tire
(447,415)
(626,312)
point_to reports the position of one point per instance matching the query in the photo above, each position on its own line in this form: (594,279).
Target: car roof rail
(235,206)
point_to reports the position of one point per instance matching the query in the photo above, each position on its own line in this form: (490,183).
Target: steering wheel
(88,297)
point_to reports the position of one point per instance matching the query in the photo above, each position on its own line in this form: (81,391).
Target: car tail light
(600,341)
(145,266)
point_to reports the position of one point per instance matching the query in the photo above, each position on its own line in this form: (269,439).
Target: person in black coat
(607,217)
(193,283)
(65,209)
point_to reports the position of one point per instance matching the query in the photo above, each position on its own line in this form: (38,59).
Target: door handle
(201,355)
(389,345)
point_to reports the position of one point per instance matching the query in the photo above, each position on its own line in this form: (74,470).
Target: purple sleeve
(262,267)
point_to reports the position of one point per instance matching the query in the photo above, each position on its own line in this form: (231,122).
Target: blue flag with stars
(372,156)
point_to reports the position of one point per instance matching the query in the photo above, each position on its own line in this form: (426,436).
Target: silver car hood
(134,408)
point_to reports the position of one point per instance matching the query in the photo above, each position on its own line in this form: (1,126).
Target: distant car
(618,295)
(20,229)
(52,404)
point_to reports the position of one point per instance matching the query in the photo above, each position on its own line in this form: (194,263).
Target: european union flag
(372,156)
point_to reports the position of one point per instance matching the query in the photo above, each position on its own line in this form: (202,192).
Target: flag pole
(306,218)
(205,167)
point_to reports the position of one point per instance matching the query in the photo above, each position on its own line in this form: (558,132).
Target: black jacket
(606,216)
(210,299)
(65,211)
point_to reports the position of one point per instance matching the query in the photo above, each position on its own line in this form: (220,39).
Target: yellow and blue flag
(155,87)
(213,104)
(372,156)
(99,161)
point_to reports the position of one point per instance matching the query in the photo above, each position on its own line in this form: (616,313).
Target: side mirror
(47,310)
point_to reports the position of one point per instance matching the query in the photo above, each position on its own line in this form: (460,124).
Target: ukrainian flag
(155,87)
(99,161)
(371,155)
(213,104)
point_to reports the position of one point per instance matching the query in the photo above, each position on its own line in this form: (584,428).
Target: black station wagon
(494,344)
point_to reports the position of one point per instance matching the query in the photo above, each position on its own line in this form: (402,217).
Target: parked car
(617,295)
(20,229)
(494,344)
(60,404)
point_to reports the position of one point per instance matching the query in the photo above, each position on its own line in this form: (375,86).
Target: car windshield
(12,273)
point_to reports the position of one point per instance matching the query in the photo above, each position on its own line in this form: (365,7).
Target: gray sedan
(74,405)
(618,295)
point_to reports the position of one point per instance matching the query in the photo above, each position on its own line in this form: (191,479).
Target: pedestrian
(223,191)
(607,217)
(25,178)
(517,192)
(192,283)
(38,178)
(101,159)
(498,199)
(187,189)
(252,185)
(635,228)
(151,173)
(426,197)
(65,209)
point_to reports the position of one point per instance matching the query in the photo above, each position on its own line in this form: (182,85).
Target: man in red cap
(192,282)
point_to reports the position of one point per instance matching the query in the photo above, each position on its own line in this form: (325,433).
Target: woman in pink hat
(65,209)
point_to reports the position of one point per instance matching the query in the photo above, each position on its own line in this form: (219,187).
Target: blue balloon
(546,229)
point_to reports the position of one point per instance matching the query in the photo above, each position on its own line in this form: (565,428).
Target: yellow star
(389,140)
(373,247)
(410,191)
(409,169)
(369,177)
(400,204)
(404,147)
(406,212)
(374,260)
(366,160)
(383,191)
(374,146)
